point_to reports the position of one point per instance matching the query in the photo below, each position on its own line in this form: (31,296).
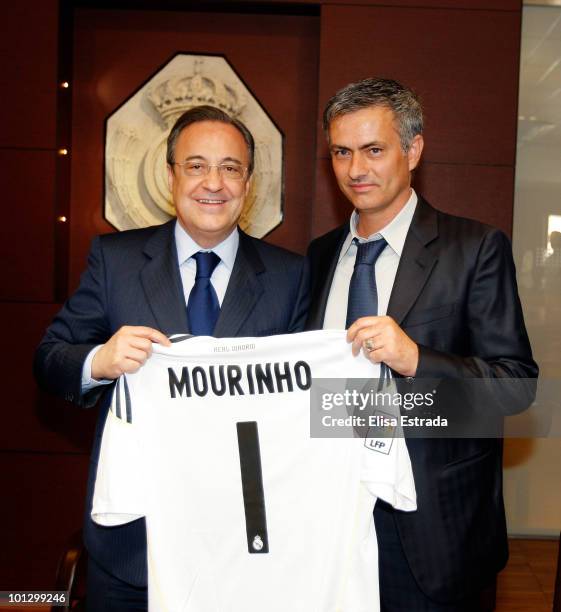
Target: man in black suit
(443,305)
(199,274)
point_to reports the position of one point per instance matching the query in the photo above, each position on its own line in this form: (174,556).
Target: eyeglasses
(233,172)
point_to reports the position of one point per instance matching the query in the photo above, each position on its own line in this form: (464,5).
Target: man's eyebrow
(193,157)
(369,145)
(223,160)
(231,159)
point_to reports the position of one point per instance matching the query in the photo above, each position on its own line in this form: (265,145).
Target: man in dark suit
(432,296)
(199,274)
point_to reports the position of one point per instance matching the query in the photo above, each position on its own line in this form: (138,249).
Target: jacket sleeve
(498,341)
(302,304)
(79,326)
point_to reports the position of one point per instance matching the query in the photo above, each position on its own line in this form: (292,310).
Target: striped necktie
(363,295)
(202,306)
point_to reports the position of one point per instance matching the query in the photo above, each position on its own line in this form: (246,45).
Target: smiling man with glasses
(198,274)
(209,168)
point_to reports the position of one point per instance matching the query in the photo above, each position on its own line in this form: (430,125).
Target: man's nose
(213,181)
(358,166)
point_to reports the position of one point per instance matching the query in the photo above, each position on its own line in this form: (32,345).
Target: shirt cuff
(88,382)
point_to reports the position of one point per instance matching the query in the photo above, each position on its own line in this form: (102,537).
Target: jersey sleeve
(386,471)
(119,495)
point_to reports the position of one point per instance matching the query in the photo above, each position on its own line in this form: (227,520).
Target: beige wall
(533,466)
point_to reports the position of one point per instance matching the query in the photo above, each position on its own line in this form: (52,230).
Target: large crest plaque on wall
(136,186)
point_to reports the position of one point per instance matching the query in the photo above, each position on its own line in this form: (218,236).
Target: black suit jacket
(133,278)
(455,294)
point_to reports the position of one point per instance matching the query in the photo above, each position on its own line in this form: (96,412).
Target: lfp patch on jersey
(382,432)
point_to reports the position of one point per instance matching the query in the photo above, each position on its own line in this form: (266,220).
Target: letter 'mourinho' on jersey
(283,377)
(264,378)
(200,383)
(181,386)
(234,378)
(303,375)
(217,380)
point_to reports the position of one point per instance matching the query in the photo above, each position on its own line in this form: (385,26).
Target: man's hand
(125,351)
(387,341)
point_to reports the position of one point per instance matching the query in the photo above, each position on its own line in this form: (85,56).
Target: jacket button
(410,379)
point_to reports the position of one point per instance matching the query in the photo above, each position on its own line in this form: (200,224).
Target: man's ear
(247,186)
(415,151)
(171,177)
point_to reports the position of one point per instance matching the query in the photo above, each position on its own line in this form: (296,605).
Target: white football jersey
(245,511)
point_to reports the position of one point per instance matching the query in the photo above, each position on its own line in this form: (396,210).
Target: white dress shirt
(186,248)
(385,268)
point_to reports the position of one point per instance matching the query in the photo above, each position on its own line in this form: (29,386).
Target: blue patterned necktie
(363,295)
(202,306)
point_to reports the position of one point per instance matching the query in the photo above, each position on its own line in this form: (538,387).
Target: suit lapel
(244,289)
(323,270)
(162,282)
(416,262)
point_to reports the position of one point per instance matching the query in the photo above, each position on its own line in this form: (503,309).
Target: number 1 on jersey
(252,487)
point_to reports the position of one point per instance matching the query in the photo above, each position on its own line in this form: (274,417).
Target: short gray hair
(209,113)
(377,91)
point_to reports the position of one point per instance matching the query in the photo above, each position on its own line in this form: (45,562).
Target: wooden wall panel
(28,79)
(28,73)
(36,421)
(499,5)
(42,505)
(468,85)
(26,232)
(484,193)
(332,208)
(467,80)
(115,52)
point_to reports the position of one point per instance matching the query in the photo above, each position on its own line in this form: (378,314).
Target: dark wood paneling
(332,208)
(115,52)
(26,232)
(498,5)
(463,63)
(34,420)
(42,505)
(28,73)
(484,193)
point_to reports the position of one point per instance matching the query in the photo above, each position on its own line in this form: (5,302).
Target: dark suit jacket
(133,278)
(455,294)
